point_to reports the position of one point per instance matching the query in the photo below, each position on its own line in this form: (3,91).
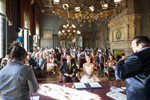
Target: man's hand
(71,75)
(67,75)
(124,57)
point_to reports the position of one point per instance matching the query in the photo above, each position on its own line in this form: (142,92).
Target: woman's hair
(111,56)
(87,57)
(17,51)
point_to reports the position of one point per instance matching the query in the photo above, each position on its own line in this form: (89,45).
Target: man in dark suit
(56,50)
(135,69)
(68,69)
(100,62)
(106,52)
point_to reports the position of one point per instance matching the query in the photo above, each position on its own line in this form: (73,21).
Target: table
(66,91)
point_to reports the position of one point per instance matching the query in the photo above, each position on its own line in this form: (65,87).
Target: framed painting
(119,35)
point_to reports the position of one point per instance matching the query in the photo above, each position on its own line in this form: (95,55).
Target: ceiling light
(73,26)
(77,9)
(59,32)
(116,1)
(68,30)
(78,32)
(91,8)
(105,6)
(74,31)
(56,1)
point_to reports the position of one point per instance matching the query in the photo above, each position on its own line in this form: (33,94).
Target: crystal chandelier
(88,10)
(68,32)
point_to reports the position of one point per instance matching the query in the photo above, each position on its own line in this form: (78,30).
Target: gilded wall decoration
(119,35)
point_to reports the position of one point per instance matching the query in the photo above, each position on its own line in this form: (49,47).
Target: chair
(96,69)
(82,60)
(108,73)
(60,75)
(64,59)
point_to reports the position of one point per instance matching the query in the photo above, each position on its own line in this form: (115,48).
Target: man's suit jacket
(44,61)
(37,60)
(136,71)
(65,68)
(98,60)
(59,56)
(56,50)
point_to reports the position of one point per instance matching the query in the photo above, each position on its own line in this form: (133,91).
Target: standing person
(105,52)
(68,70)
(17,79)
(135,69)
(100,63)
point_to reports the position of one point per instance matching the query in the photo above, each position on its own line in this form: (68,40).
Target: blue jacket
(136,71)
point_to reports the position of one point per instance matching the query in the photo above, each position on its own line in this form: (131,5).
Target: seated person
(68,69)
(50,64)
(41,61)
(88,70)
(111,63)
(28,59)
(31,60)
(3,63)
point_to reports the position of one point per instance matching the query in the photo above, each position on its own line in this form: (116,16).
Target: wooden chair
(108,73)
(96,69)
(65,59)
(82,60)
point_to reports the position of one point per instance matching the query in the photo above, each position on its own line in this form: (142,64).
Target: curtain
(36,22)
(9,12)
(24,9)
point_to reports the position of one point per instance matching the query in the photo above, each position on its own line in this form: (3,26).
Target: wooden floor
(54,78)
(51,78)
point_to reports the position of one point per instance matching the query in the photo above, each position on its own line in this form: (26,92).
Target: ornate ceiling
(82,10)
(49,8)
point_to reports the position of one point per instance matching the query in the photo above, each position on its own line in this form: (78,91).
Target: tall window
(2,16)
(1,36)
(2,7)
(26,39)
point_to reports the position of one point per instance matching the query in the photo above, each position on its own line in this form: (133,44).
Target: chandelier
(68,32)
(88,10)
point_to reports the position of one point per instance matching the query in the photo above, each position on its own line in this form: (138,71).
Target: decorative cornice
(126,19)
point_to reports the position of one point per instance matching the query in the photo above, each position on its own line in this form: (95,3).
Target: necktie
(69,65)
(100,60)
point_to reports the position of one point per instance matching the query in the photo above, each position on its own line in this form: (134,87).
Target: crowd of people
(46,60)
(19,68)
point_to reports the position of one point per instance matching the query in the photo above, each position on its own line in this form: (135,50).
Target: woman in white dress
(51,65)
(88,70)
